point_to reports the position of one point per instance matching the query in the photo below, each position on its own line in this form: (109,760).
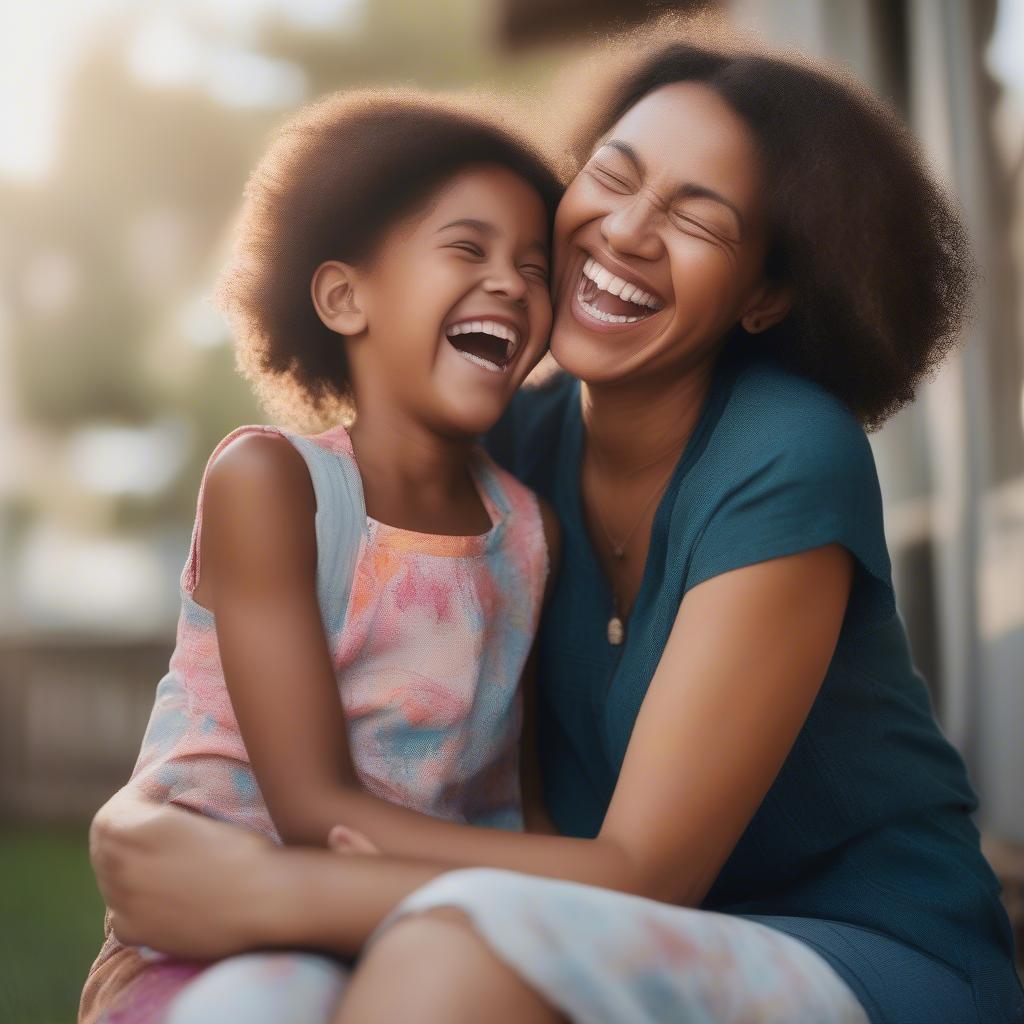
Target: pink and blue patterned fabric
(428,636)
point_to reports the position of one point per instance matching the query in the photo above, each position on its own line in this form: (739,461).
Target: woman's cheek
(582,202)
(701,268)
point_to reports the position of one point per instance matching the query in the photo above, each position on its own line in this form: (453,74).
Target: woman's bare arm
(743,664)
(197,888)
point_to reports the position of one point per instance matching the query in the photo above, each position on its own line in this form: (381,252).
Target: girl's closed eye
(471,248)
(539,270)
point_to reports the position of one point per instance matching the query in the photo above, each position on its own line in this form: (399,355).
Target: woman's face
(660,241)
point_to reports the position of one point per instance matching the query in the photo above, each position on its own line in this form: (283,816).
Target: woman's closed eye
(687,221)
(608,178)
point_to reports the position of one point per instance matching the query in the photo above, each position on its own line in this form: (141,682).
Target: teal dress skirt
(864,848)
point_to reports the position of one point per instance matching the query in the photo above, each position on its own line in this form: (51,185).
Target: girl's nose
(629,228)
(506,281)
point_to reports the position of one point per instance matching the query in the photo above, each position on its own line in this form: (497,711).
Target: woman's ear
(333,290)
(770,307)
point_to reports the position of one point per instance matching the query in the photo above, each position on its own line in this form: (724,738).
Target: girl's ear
(333,290)
(770,307)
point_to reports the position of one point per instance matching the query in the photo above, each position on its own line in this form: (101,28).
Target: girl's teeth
(507,334)
(485,363)
(491,327)
(628,292)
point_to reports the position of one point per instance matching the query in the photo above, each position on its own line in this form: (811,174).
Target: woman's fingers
(342,839)
(178,881)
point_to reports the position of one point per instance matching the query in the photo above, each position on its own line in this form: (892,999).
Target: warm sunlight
(42,41)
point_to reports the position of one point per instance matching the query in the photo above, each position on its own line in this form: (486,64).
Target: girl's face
(660,241)
(456,305)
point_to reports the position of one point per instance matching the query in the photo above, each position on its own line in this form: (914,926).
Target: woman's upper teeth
(615,285)
(492,327)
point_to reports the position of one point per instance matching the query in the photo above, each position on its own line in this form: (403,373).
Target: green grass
(51,923)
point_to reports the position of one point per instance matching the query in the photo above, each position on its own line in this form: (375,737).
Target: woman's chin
(589,359)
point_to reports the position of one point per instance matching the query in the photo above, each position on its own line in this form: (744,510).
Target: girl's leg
(433,967)
(145,997)
(253,988)
(591,955)
(262,988)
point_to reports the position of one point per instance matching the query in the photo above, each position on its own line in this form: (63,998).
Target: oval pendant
(616,631)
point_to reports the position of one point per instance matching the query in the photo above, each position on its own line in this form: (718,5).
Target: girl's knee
(262,988)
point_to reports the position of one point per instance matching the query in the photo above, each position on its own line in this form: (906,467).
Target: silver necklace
(616,624)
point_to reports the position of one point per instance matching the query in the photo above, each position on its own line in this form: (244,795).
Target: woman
(751,260)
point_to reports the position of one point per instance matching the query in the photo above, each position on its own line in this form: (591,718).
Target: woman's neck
(631,422)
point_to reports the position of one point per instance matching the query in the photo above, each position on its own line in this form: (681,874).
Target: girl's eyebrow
(688,190)
(482,226)
(488,230)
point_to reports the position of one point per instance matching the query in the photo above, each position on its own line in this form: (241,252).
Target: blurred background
(126,133)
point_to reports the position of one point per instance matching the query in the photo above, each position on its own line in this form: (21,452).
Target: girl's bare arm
(259,577)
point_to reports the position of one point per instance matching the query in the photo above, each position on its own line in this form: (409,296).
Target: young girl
(358,605)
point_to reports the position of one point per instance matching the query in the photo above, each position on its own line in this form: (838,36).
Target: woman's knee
(435,962)
(433,943)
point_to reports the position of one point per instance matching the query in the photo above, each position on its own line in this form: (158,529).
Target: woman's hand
(182,883)
(342,839)
(200,889)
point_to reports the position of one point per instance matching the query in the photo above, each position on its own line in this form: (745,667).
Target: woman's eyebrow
(688,190)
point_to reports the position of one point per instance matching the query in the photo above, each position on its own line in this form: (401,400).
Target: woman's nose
(629,228)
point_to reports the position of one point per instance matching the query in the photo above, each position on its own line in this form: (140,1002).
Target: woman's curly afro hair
(872,246)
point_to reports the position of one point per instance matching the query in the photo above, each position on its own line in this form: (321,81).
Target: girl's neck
(401,454)
(631,422)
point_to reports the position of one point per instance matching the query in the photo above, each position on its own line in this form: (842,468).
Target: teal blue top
(869,820)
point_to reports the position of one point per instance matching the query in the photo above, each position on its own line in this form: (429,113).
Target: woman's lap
(893,981)
(602,957)
(598,956)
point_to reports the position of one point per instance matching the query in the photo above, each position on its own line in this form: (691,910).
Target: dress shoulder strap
(340,516)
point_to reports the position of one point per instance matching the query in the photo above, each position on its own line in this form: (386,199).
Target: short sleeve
(792,470)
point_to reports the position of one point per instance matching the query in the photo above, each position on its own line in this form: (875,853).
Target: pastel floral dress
(428,634)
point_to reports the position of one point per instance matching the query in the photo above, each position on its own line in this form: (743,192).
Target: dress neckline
(444,545)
